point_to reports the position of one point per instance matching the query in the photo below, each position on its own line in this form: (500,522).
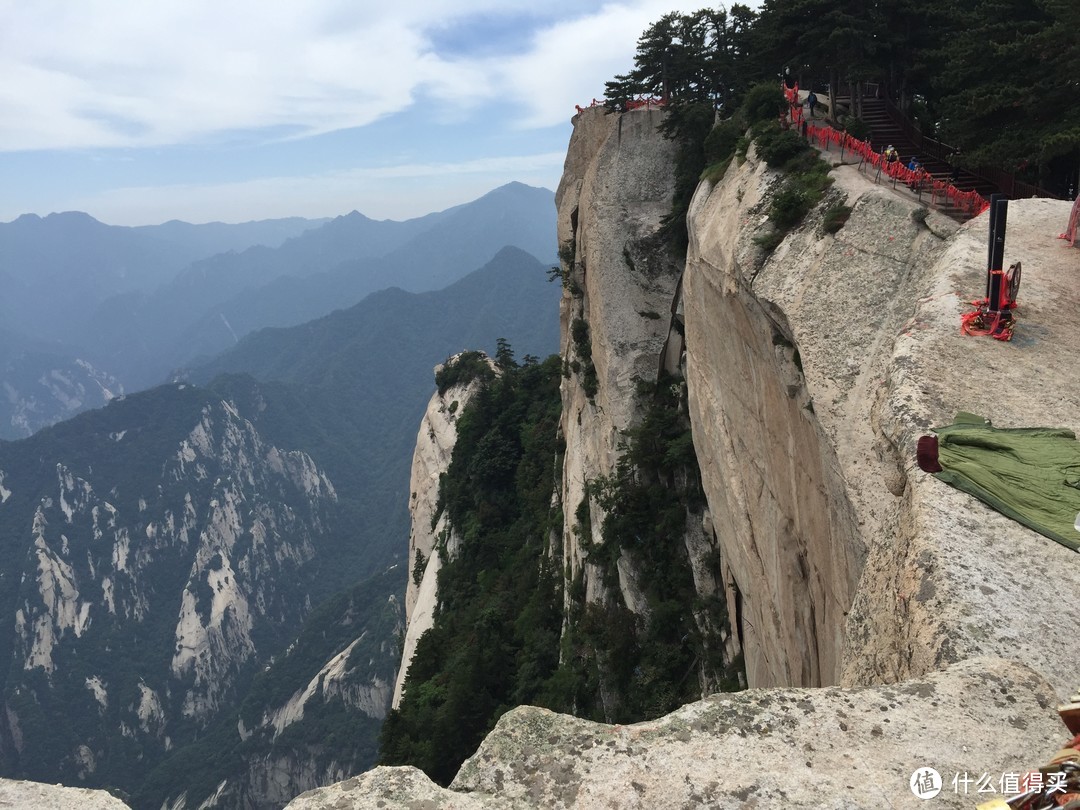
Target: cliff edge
(932,624)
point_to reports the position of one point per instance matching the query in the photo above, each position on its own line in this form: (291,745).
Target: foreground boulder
(760,748)
(37,796)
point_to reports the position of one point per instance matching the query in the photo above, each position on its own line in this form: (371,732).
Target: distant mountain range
(55,269)
(161,554)
(86,302)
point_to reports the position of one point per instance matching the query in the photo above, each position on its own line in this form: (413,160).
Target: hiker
(811,102)
(955,159)
(913,164)
(891,155)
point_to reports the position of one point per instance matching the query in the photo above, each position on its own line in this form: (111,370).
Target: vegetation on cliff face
(625,666)
(495,639)
(500,638)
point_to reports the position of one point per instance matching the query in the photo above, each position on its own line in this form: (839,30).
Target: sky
(235,110)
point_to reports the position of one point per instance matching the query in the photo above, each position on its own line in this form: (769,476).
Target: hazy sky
(140,111)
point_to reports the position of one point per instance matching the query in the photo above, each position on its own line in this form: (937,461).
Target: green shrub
(579,333)
(856,127)
(763,101)
(789,206)
(770,241)
(806,181)
(715,172)
(779,146)
(463,369)
(836,217)
(722,139)
(419,564)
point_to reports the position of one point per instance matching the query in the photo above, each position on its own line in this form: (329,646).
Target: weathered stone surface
(434,449)
(37,796)
(776,493)
(957,579)
(765,748)
(872,315)
(616,186)
(387,789)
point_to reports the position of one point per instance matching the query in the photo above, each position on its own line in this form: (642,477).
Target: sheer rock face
(830,747)
(776,489)
(434,450)
(616,186)
(811,373)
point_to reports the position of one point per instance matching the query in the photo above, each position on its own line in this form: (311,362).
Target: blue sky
(140,112)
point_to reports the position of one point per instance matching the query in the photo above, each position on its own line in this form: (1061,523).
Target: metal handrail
(1006,181)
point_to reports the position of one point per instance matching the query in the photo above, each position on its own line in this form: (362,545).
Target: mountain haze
(56,267)
(212,304)
(364,374)
(86,301)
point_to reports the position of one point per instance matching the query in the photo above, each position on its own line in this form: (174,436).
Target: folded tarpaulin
(1032,475)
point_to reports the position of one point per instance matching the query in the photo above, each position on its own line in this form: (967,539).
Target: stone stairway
(884,131)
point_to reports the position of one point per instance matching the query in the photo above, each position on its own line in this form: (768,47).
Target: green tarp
(1031,475)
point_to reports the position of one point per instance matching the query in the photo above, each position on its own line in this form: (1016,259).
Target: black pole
(990,237)
(995,282)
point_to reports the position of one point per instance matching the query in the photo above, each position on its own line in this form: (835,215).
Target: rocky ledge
(820,748)
(36,796)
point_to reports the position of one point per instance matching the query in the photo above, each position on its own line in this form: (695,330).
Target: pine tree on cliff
(698,63)
(702,57)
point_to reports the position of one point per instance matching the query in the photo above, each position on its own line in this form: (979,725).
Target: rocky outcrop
(41,387)
(36,796)
(955,579)
(812,372)
(434,449)
(616,186)
(312,716)
(820,748)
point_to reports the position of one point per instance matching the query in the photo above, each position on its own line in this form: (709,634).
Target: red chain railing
(639,103)
(918,179)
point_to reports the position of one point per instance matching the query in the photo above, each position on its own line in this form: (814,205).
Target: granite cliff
(809,374)
(430,526)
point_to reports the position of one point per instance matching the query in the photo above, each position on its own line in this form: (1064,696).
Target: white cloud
(110,73)
(571,60)
(388,192)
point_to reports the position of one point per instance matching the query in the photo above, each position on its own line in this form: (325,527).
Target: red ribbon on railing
(632,104)
(919,179)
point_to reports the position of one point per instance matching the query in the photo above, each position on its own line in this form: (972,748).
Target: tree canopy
(993,78)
